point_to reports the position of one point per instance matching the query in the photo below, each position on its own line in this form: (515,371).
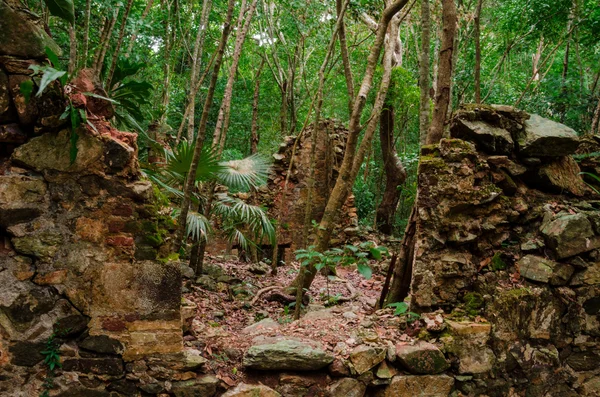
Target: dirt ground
(218,324)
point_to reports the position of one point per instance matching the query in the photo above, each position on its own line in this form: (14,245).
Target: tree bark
(72,51)
(595,120)
(345,58)
(254,135)
(105,43)
(403,270)
(169,36)
(444,78)
(134,34)
(83,59)
(395,174)
(349,167)
(424,83)
(314,138)
(115,58)
(477,73)
(191,176)
(225,110)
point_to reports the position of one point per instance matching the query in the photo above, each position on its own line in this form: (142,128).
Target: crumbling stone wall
(81,241)
(288,205)
(508,246)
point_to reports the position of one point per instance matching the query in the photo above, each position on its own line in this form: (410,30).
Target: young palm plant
(241,223)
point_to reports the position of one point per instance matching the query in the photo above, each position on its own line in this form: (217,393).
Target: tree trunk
(195,81)
(424,84)
(254,135)
(403,270)
(595,120)
(477,73)
(394,170)
(565,70)
(345,59)
(395,175)
(164,102)
(191,176)
(444,78)
(315,133)
(349,169)
(72,51)
(225,111)
(83,59)
(104,44)
(115,59)
(134,34)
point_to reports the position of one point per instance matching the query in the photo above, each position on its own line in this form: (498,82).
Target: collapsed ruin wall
(287,204)
(508,243)
(80,241)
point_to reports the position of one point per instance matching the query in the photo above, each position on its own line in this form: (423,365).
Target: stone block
(22,199)
(286,355)
(487,137)
(421,358)
(21,37)
(546,138)
(420,386)
(51,151)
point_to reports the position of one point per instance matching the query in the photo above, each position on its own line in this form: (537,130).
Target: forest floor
(221,313)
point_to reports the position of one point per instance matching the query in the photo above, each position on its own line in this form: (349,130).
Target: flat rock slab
(569,235)
(420,386)
(536,268)
(245,390)
(546,138)
(363,357)
(263,325)
(421,358)
(205,386)
(485,136)
(347,387)
(286,355)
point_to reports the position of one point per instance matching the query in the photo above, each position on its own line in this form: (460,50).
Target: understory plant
(52,362)
(240,222)
(329,260)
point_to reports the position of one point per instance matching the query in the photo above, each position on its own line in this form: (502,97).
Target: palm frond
(179,161)
(245,173)
(240,212)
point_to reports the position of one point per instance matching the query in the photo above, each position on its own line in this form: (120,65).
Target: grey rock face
(286,355)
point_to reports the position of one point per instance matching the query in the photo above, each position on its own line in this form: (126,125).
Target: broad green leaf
(375,253)
(50,74)
(52,57)
(26,89)
(364,270)
(63,9)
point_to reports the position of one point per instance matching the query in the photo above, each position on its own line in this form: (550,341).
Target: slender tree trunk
(225,109)
(403,270)
(316,130)
(444,79)
(424,83)
(395,174)
(83,59)
(595,129)
(105,43)
(134,34)
(191,176)
(349,168)
(565,70)
(72,50)
(169,38)
(477,73)
(345,59)
(536,59)
(284,107)
(113,65)
(254,135)
(195,81)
